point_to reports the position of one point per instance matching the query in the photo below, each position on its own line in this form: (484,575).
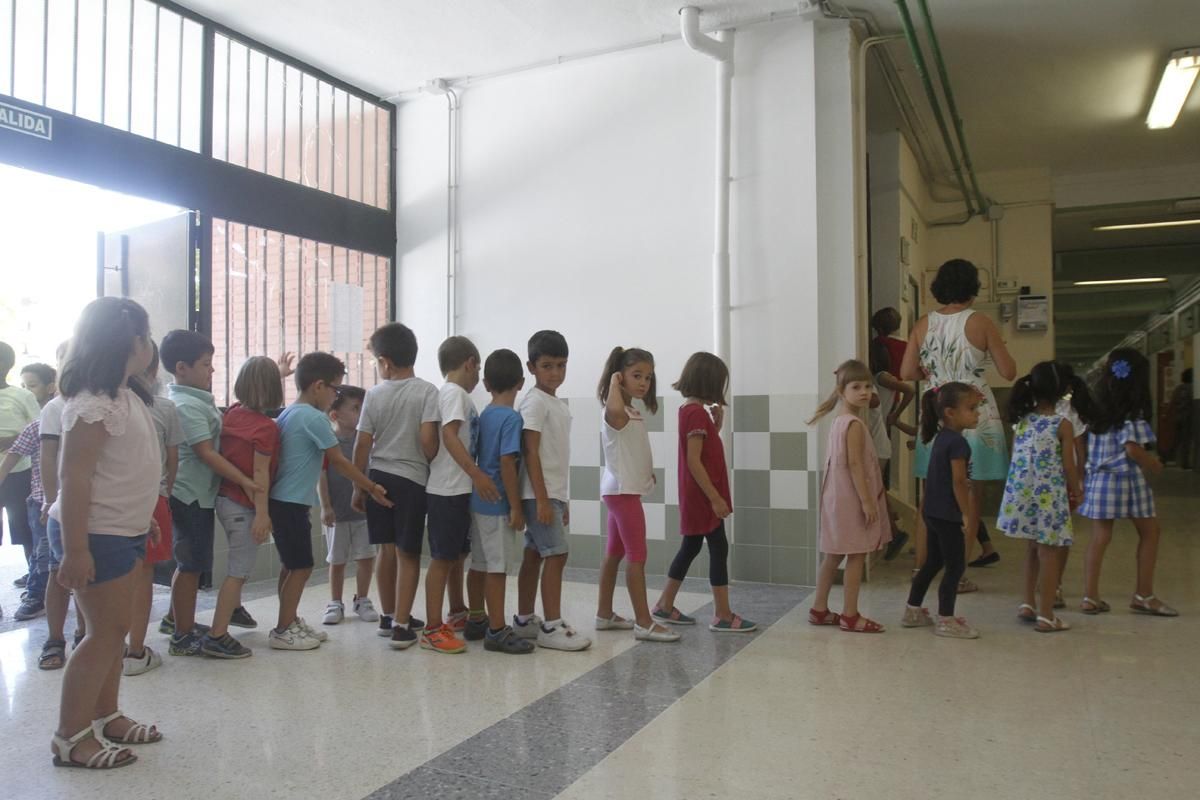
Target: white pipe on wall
(440,86)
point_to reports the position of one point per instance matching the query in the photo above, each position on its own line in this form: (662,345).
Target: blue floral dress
(1035,504)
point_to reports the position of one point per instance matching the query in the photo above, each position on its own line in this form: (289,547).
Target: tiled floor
(1107,710)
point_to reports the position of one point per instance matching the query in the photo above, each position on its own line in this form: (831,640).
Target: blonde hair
(259,386)
(849,372)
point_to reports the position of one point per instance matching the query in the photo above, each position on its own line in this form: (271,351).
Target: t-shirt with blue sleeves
(304,436)
(499,435)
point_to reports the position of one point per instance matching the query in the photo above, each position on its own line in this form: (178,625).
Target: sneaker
(530,629)
(187,644)
(320,636)
(224,647)
(476,629)
(614,623)
(458,621)
(506,640)
(149,660)
(22,581)
(442,640)
(365,609)
(294,638)
(654,633)
(415,625)
(241,618)
(895,546)
(672,617)
(167,626)
(385,625)
(29,609)
(335,612)
(915,618)
(403,638)
(562,637)
(733,625)
(954,628)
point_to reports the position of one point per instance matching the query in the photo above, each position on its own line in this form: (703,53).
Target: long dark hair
(620,360)
(1122,390)
(1048,382)
(104,339)
(935,403)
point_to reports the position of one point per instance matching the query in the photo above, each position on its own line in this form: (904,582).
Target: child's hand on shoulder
(260,529)
(327,517)
(721,508)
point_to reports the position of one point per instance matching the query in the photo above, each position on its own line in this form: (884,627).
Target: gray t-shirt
(170,433)
(393,412)
(341,489)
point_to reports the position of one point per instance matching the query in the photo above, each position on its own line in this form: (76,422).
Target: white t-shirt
(550,417)
(628,462)
(393,412)
(446,477)
(877,427)
(18,408)
(125,483)
(168,433)
(1067,411)
(50,423)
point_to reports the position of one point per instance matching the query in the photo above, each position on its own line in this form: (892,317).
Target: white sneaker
(294,638)
(954,628)
(139,666)
(614,623)
(335,612)
(562,637)
(654,634)
(320,636)
(529,630)
(365,609)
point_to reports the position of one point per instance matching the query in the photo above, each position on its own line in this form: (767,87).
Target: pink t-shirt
(125,483)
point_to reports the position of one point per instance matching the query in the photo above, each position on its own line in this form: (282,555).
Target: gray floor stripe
(545,747)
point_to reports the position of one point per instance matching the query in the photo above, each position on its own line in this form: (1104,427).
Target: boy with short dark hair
(188,355)
(39,380)
(305,440)
(397,438)
(18,408)
(547,453)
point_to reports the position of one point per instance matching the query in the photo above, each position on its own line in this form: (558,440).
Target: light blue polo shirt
(304,436)
(201,422)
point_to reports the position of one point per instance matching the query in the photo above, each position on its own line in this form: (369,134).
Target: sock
(524,618)
(385,620)
(476,615)
(551,624)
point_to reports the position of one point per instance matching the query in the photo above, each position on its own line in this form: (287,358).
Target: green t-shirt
(201,421)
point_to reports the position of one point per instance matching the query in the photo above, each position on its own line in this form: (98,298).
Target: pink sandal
(825,617)
(860,624)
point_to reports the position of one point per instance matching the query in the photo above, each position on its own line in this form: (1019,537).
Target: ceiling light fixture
(1177,79)
(1118,281)
(1133,226)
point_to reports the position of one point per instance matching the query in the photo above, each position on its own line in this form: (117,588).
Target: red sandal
(825,617)
(860,624)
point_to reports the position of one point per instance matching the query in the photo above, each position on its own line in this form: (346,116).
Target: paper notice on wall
(346,317)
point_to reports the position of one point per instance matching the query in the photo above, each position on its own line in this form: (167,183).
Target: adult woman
(954,343)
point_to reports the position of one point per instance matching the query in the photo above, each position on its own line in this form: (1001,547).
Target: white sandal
(138,733)
(654,633)
(1055,625)
(107,757)
(1023,616)
(1142,605)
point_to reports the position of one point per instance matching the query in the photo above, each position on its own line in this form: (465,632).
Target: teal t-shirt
(201,422)
(304,436)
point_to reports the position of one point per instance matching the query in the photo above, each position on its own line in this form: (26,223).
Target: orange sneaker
(442,640)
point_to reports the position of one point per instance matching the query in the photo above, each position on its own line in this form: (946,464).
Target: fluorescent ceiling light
(1120,281)
(1178,77)
(1133,226)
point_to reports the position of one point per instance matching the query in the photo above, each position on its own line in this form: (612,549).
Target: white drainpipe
(440,86)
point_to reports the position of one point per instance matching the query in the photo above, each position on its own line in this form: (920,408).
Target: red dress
(895,348)
(696,516)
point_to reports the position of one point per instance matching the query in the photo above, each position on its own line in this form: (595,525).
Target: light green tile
(585,550)
(789,451)
(658,493)
(585,483)
(752,525)
(671,521)
(750,563)
(655,422)
(752,488)
(751,413)
(791,528)
(792,566)
(814,484)
(657,557)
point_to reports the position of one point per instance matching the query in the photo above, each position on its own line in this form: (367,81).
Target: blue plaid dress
(1115,487)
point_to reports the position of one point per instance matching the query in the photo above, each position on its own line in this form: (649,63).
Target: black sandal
(54,655)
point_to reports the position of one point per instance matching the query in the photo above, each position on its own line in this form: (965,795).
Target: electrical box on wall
(1033,312)
(1004,286)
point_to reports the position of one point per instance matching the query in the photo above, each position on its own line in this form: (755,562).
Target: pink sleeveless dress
(844,528)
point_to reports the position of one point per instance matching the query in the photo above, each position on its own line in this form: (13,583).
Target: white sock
(524,618)
(551,624)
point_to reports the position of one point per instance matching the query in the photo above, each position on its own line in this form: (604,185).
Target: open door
(154,264)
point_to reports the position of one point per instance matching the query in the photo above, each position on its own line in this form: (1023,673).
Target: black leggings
(947,548)
(718,556)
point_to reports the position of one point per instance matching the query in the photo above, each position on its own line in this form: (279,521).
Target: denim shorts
(237,520)
(547,540)
(112,556)
(192,527)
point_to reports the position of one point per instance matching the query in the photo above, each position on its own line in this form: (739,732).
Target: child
(886,322)
(854,512)
(188,355)
(397,438)
(250,442)
(1116,485)
(305,436)
(1043,488)
(1073,407)
(58,597)
(547,450)
(628,474)
(704,499)
(452,477)
(110,479)
(495,525)
(945,413)
(139,657)
(346,529)
(894,396)
(38,380)
(18,408)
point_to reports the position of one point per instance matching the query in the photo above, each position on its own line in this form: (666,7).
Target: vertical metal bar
(346,161)
(300,298)
(12,52)
(361,365)
(317,295)
(45,46)
(362,153)
(75,60)
(266,113)
(228,69)
(103,59)
(207,78)
(283,125)
(246,153)
(225,301)
(179,90)
(264,272)
(129,70)
(99,259)
(332,140)
(154,104)
(282,292)
(375,177)
(246,291)
(317,137)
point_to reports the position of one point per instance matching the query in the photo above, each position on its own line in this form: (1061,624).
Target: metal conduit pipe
(440,86)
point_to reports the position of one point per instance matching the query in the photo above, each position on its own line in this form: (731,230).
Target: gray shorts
(349,541)
(495,546)
(547,540)
(237,520)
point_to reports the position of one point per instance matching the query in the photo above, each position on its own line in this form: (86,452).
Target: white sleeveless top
(628,462)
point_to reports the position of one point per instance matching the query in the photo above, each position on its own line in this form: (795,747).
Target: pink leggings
(626,527)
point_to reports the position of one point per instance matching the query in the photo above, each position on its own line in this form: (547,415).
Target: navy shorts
(449,526)
(404,523)
(192,532)
(292,526)
(112,556)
